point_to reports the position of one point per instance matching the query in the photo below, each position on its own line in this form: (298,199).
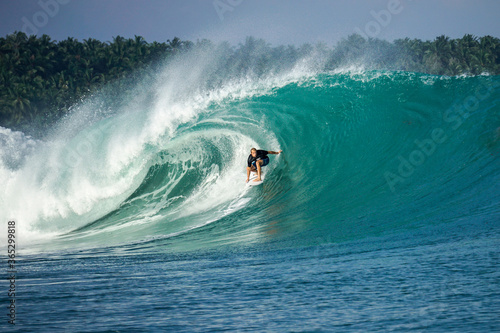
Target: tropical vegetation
(40,79)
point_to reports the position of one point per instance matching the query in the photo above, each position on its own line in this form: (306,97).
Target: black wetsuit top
(261,154)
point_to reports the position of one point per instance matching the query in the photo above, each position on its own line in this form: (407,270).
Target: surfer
(256,160)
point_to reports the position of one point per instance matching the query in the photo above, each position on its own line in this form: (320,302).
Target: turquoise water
(380,214)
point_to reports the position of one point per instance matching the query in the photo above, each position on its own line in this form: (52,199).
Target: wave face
(365,153)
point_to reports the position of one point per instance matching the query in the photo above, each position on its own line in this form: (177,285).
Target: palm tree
(37,72)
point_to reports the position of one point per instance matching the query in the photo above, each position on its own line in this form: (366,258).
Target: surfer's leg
(259,163)
(253,168)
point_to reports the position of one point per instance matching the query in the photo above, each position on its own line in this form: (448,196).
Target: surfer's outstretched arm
(274,152)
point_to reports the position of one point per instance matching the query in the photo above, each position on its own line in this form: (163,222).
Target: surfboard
(254,176)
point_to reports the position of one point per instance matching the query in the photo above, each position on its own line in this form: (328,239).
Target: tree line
(40,79)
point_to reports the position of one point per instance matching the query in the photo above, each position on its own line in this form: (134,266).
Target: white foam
(88,167)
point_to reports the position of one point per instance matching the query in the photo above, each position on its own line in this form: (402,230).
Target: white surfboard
(254,176)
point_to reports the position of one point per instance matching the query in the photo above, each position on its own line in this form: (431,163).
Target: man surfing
(256,160)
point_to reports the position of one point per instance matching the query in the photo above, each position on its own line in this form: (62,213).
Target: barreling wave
(364,153)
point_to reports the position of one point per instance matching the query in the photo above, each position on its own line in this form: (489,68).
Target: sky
(277,21)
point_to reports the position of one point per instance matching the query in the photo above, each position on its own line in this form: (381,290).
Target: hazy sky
(277,21)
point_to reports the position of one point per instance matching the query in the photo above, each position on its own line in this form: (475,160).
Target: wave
(364,153)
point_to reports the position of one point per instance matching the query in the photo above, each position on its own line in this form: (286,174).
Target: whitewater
(380,214)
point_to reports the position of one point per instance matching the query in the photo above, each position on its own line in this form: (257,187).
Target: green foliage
(443,56)
(40,79)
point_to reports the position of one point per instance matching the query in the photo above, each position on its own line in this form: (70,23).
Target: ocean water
(382,212)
